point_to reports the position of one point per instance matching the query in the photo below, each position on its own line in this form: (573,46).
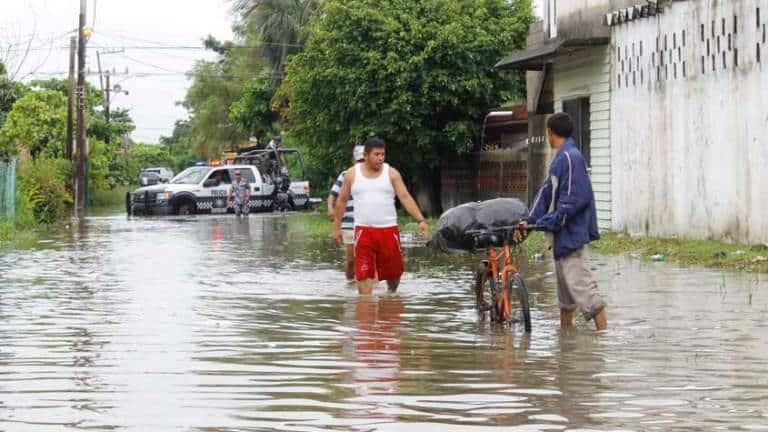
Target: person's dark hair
(561,124)
(374,143)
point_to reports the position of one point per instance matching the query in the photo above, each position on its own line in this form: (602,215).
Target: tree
(10,92)
(208,100)
(253,112)
(179,145)
(105,138)
(36,125)
(277,26)
(143,156)
(419,74)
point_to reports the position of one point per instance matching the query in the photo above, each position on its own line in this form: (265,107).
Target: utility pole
(80,183)
(98,63)
(71,99)
(106,106)
(105,91)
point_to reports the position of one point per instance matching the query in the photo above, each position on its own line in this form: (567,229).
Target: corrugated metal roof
(535,58)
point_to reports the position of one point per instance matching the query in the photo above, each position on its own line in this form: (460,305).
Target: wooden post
(71,99)
(80,184)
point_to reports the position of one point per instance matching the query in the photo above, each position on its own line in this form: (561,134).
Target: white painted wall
(586,73)
(690,153)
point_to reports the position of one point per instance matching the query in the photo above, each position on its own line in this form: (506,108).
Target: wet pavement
(207,324)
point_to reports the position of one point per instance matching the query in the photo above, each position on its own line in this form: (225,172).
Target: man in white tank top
(375,184)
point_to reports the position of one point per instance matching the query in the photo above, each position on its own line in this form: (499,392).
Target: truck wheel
(186,208)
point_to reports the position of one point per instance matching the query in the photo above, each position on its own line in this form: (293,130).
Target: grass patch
(13,236)
(707,253)
(110,198)
(687,252)
(316,222)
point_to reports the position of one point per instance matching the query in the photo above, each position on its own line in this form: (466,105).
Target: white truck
(203,189)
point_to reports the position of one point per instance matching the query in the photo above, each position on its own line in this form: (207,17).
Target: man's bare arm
(409,204)
(331,206)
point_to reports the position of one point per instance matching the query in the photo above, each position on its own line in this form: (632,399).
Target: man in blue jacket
(565,208)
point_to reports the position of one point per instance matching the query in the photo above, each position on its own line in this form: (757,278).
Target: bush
(43,187)
(143,156)
(37,125)
(98,166)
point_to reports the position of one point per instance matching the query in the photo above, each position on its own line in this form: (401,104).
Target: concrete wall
(582,19)
(586,73)
(689,151)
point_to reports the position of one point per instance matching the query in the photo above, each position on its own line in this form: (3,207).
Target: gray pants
(241,208)
(576,286)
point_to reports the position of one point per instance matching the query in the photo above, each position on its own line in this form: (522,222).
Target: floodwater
(207,324)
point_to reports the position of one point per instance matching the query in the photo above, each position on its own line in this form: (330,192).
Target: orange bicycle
(498,280)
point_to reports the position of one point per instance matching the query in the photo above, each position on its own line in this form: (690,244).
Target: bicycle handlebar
(498,235)
(503,229)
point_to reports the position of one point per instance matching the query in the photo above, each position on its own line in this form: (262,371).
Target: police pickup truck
(204,189)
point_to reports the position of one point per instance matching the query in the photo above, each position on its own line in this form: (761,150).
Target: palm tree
(276,25)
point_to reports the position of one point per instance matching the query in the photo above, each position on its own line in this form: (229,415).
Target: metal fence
(7,189)
(485,175)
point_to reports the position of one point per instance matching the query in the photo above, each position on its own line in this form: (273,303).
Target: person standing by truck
(239,195)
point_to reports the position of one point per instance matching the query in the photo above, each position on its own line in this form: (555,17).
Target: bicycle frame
(501,267)
(502,277)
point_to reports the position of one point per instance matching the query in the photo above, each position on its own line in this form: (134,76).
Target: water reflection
(213,324)
(374,343)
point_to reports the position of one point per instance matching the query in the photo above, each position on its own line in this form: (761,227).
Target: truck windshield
(192,175)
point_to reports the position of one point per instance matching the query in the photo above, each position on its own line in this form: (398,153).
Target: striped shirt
(348,222)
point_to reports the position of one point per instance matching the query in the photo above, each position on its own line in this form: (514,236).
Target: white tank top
(374,199)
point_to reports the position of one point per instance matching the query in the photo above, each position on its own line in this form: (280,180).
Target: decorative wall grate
(716,45)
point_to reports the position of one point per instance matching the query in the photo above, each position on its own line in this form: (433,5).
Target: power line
(175,47)
(150,75)
(149,64)
(122,37)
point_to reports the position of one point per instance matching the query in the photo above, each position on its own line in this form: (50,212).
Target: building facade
(670,101)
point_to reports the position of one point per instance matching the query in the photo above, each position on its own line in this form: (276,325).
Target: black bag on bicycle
(453,225)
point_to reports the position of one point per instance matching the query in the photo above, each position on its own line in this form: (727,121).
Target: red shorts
(377,253)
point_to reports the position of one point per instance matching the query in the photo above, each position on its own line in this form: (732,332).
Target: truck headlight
(165,196)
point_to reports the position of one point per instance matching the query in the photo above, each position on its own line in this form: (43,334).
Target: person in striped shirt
(348,221)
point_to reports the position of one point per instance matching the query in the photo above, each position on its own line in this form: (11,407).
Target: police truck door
(215,197)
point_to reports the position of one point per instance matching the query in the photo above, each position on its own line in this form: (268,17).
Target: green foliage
(43,189)
(179,146)
(94,97)
(10,92)
(213,91)
(146,156)
(253,113)
(419,74)
(109,198)
(276,25)
(707,253)
(98,166)
(37,125)
(230,99)
(120,122)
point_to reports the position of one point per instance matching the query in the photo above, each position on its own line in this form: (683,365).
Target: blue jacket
(565,204)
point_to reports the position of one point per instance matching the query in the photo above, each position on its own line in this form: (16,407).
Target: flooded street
(207,324)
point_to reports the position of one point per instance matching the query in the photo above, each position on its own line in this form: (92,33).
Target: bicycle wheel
(485,289)
(516,286)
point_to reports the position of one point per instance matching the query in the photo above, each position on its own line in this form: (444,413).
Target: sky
(134,38)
